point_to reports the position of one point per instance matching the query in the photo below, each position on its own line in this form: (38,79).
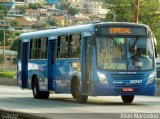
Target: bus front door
(52,65)
(24,75)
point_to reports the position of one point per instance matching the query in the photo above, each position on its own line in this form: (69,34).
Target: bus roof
(76,29)
(58,31)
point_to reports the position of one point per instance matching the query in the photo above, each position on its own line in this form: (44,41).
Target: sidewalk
(8,81)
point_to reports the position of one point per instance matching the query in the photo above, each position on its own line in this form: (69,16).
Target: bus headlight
(102,78)
(151,78)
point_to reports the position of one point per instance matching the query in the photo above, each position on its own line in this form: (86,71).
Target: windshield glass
(124,53)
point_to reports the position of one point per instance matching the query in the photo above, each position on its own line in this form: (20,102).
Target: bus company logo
(118,82)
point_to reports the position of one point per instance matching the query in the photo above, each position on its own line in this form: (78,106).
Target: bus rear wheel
(80,98)
(39,94)
(128,98)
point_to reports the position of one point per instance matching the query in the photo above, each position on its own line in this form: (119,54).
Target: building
(13,13)
(9,4)
(25,25)
(4,24)
(31,15)
(94,7)
(20,2)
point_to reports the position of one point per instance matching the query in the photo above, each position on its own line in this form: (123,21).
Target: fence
(8,60)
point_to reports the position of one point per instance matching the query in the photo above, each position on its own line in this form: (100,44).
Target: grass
(7,74)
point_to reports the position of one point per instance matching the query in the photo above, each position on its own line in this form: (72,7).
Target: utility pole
(136,11)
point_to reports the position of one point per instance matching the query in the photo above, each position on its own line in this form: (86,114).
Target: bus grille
(127,76)
(118,88)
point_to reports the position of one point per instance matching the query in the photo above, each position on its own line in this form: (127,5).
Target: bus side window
(74,46)
(38,48)
(43,48)
(62,50)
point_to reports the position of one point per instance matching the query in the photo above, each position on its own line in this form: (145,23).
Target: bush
(7,74)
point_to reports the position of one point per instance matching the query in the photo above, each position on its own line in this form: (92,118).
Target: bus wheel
(73,95)
(128,98)
(39,94)
(80,98)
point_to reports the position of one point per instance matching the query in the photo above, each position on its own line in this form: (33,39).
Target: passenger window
(74,46)
(62,47)
(38,48)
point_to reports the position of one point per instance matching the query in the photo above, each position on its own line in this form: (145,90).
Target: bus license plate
(127,89)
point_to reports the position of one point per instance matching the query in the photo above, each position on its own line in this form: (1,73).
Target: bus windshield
(124,53)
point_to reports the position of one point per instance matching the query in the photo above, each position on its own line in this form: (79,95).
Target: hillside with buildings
(32,15)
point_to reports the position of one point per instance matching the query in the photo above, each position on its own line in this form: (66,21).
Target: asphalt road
(63,106)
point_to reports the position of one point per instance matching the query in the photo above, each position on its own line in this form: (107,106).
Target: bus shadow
(96,102)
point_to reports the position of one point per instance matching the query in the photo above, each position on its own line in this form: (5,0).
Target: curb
(8,114)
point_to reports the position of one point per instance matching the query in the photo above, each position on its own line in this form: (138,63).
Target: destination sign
(119,30)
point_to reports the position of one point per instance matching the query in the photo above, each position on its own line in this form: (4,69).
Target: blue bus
(99,59)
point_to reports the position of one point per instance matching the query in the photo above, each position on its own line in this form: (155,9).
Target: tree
(14,46)
(15,24)
(22,10)
(64,6)
(123,11)
(34,6)
(3,11)
(73,11)
(9,37)
(1,37)
(51,21)
(120,10)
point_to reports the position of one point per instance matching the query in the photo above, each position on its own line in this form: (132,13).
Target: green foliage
(22,10)
(73,11)
(149,13)
(51,22)
(34,6)
(14,46)
(120,10)
(9,36)
(64,6)
(15,24)
(7,74)
(17,33)
(3,12)
(1,37)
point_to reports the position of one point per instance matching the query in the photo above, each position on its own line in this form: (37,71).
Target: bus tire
(38,94)
(80,98)
(128,98)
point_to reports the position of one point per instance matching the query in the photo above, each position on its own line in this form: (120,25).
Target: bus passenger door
(52,65)
(86,87)
(24,75)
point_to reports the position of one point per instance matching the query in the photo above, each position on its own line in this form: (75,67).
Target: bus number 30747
(135,81)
